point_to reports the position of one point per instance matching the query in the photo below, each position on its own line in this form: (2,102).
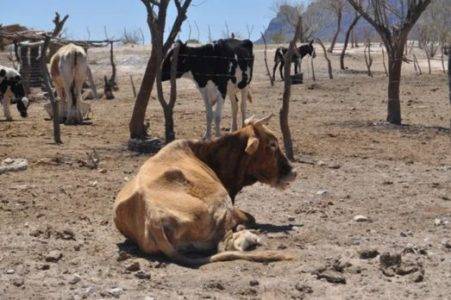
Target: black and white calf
(303,50)
(11,87)
(222,67)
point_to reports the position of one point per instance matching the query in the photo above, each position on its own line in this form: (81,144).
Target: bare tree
(283,115)
(368,57)
(329,64)
(393,23)
(346,41)
(156,19)
(336,7)
(210,39)
(268,72)
(250,30)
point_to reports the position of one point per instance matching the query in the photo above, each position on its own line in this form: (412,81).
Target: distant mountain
(280,28)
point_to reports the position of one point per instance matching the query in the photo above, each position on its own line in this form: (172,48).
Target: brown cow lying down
(182,198)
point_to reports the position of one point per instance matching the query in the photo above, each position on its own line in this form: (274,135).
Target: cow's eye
(273,146)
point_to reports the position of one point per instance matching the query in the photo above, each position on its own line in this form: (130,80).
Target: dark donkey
(279,58)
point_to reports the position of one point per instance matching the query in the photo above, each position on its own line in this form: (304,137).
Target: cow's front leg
(208,111)
(6,111)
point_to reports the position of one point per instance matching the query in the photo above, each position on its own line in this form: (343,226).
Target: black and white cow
(303,50)
(11,87)
(218,69)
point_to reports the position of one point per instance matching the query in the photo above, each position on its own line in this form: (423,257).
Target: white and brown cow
(69,69)
(11,87)
(182,199)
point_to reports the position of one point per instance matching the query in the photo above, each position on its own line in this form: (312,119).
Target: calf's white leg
(5,102)
(208,110)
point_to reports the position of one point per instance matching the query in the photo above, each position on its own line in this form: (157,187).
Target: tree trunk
(137,127)
(169,124)
(345,46)
(394,80)
(329,64)
(334,39)
(271,79)
(284,126)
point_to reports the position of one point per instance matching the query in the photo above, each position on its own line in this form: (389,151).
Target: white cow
(69,68)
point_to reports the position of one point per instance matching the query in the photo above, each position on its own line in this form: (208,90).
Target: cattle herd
(182,199)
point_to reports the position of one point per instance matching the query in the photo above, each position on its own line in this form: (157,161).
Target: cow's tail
(159,235)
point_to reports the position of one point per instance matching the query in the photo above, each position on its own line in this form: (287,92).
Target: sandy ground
(57,240)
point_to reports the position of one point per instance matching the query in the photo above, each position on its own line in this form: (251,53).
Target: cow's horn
(264,120)
(250,120)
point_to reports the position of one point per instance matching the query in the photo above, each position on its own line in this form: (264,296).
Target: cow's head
(267,163)
(311,49)
(182,61)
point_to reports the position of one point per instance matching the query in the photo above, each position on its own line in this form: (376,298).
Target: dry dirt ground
(57,239)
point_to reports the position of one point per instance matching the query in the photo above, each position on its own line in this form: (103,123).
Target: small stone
(53,256)
(123,256)
(332,277)
(368,253)
(133,267)
(93,183)
(103,171)
(291,219)
(13,165)
(445,243)
(254,282)
(67,234)
(116,292)
(10,271)
(142,275)
(303,288)
(387,260)
(43,267)
(36,233)
(322,192)
(18,282)
(321,163)
(75,279)
(438,222)
(335,166)
(361,218)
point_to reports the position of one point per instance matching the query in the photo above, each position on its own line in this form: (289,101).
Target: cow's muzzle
(284,181)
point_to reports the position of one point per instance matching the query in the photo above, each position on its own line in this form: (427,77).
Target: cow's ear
(311,42)
(2,73)
(252,145)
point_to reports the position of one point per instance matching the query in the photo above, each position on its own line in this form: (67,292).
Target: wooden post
(48,88)
(271,79)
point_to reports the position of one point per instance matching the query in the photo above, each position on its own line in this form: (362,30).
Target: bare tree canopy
(156,19)
(393,20)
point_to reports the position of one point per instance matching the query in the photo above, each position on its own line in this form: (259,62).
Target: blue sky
(130,14)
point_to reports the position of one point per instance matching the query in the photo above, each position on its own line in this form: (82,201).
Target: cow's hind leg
(208,111)
(6,111)
(234,104)
(218,114)
(244,95)
(282,63)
